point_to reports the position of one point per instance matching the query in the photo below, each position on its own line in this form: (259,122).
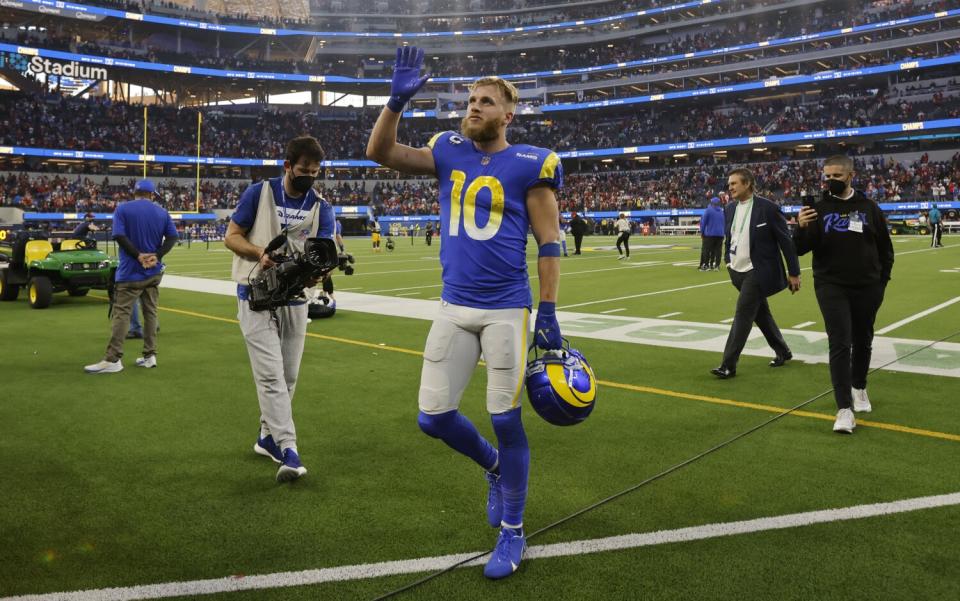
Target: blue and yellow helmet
(561,386)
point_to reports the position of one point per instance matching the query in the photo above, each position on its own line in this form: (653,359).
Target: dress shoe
(723,372)
(779,360)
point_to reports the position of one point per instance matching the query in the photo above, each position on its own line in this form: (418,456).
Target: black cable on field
(651,479)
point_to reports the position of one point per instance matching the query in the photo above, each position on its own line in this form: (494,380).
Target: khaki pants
(124,296)
(275,347)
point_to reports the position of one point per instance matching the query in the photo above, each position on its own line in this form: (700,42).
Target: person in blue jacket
(711,236)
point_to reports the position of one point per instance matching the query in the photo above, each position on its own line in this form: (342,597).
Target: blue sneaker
(494,501)
(290,468)
(507,555)
(268,448)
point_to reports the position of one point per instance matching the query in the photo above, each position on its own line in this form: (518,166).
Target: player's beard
(484,131)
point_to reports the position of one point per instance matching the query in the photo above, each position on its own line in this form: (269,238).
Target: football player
(491,192)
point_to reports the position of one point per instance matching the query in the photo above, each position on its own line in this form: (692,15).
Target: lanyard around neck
(747,209)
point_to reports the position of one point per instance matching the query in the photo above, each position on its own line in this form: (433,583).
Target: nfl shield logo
(485,161)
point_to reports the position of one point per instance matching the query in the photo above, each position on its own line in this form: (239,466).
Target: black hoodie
(844,256)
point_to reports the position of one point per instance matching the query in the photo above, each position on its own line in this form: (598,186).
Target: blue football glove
(406,77)
(546,330)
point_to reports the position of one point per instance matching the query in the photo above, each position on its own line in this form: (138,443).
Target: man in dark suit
(756,235)
(578,227)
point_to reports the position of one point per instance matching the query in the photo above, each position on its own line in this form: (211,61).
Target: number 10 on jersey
(469,203)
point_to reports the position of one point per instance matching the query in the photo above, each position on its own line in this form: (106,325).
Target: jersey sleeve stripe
(433,140)
(549,166)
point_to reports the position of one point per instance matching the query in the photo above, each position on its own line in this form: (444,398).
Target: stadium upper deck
(725,77)
(685,58)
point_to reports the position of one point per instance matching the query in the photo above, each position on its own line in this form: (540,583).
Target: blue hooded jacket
(712,223)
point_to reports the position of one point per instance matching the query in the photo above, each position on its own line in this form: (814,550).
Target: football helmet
(561,386)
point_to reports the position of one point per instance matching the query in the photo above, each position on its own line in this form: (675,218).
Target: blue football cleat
(266,447)
(507,555)
(494,501)
(290,468)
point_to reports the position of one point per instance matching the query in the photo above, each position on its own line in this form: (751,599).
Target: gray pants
(275,347)
(752,308)
(124,296)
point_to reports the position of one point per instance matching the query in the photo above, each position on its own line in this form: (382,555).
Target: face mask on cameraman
(302,183)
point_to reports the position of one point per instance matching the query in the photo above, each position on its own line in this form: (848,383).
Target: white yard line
(614,310)
(430,564)
(674,314)
(917,316)
(408,293)
(805,324)
(608,300)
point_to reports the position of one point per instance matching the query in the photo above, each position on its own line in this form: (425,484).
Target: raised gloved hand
(407,80)
(546,330)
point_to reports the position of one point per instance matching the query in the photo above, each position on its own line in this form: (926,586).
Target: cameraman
(852,261)
(289,205)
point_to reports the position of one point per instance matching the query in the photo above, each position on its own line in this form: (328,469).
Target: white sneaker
(150,361)
(104,367)
(861,402)
(621,258)
(845,422)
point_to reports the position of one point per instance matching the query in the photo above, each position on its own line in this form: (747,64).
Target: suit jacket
(769,237)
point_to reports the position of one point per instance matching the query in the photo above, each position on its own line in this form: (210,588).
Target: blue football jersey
(484,220)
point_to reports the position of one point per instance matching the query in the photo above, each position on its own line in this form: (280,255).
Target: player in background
(491,192)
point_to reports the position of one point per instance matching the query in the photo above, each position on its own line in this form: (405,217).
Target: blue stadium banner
(38,60)
(747,141)
(176,215)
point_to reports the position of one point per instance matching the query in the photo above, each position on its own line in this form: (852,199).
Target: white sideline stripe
(430,564)
(805,324)
(674,314)
(407,288)
(407,293)
(614,310)
(730,320)
(917,316)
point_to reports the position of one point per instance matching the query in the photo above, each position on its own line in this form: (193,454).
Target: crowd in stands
(102,125)
(436,15)
(80,193)
(161,47)
(787,182)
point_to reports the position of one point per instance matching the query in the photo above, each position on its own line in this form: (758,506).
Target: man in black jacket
(578,227)
(852,261)
(756,235)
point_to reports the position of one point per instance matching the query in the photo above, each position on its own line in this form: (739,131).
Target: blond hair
(510,93)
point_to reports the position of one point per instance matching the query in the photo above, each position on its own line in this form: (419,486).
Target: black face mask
(836,187)
(302,183)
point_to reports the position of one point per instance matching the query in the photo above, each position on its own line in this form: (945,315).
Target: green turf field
(147,477)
